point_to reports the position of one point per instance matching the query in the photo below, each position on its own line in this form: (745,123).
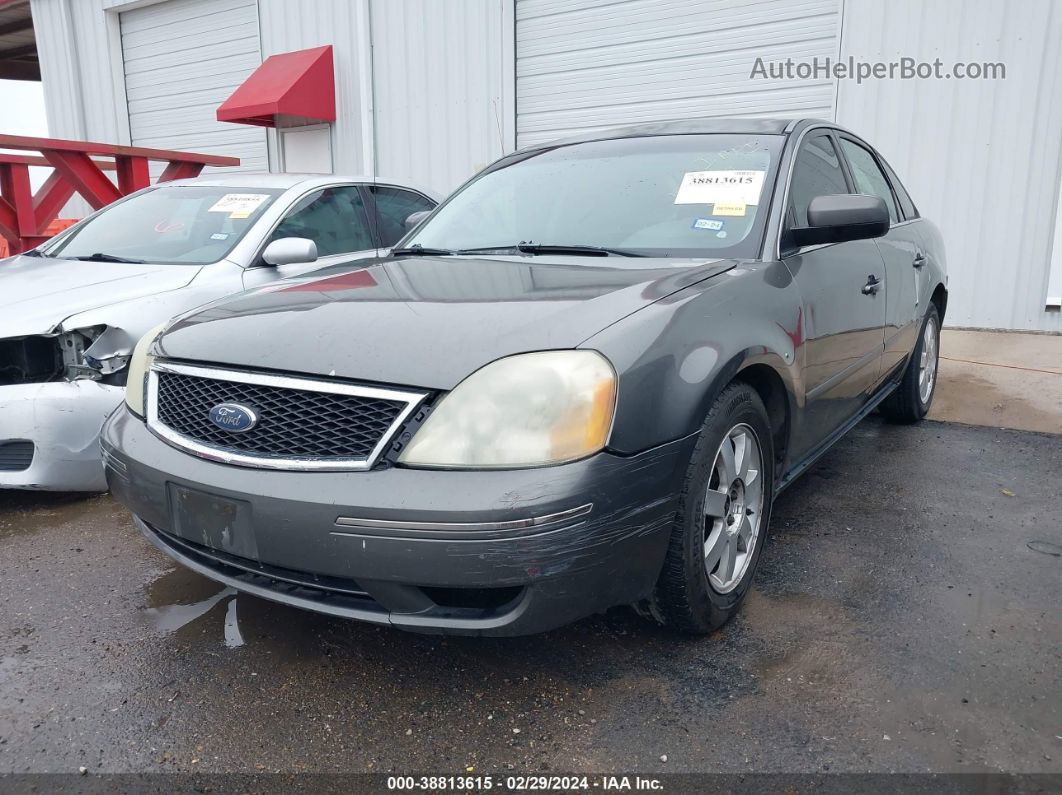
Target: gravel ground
(905,617)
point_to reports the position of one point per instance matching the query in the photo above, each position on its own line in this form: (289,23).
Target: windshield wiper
(546,248)
(417,250)
(33,253)
(100,257)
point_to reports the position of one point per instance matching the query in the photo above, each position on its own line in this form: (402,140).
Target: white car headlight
(139,364)
(533,409)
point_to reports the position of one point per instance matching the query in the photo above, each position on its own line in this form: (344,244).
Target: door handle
(872,285)
(919,260)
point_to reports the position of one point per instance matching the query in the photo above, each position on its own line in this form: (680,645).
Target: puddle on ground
(180,597)
(180,586)
(200,610)
(173,617)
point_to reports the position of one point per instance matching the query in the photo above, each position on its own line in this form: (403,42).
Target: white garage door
(182,59)
(591,64)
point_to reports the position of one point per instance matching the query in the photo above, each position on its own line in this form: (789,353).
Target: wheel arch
(940,298)
(777,399)
(769,375)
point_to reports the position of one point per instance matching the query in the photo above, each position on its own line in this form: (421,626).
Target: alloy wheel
(927,365)
(733,508)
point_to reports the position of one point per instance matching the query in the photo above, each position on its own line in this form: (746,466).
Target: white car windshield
(172,224)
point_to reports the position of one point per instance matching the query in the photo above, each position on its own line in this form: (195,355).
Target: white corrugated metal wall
(438,97)
(181,60)
(288,26)
(593,64)
(983,158)
(79,91)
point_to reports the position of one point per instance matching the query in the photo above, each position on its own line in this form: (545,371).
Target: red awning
(287,90)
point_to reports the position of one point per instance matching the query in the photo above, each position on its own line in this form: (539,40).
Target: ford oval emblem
(233,417)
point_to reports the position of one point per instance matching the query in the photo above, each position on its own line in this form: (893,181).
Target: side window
(334,219)
(817,172)
(906,204)
(868,176)
(393,207)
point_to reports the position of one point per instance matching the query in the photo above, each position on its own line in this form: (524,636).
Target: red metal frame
(24,215)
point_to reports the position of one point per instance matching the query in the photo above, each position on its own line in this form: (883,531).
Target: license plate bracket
(213,521)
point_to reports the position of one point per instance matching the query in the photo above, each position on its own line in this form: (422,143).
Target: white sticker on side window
(238,205)
(710,187)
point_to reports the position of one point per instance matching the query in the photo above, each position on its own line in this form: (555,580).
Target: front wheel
(723,515)
(911,400)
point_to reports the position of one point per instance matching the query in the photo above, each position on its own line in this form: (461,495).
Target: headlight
(528,410)
(139,364)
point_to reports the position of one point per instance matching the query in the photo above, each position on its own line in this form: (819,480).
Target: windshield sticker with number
(711,187)
(239,205)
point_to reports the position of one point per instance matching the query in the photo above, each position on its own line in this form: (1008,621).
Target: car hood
(427,321)
(38,293)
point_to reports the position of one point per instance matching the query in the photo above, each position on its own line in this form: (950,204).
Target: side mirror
(843,217)
(413,221)
(289,251)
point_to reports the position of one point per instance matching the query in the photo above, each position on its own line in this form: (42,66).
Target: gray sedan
(72,309)
(581,382)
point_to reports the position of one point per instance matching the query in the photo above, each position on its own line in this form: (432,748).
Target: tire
(911,400)
(692,594)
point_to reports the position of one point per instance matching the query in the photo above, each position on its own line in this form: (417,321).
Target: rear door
(843,311)
(901,249)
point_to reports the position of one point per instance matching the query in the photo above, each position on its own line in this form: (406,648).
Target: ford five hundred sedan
(579,383)
(72,309)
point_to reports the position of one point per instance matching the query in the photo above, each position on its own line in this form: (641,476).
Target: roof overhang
(288,90)
(18,44)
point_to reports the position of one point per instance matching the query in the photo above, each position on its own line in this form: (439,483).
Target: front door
(335,219)
(842,287)
(902,251)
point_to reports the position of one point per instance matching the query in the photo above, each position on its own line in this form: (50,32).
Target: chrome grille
(302,423)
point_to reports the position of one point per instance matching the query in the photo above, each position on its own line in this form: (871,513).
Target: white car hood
(38,293)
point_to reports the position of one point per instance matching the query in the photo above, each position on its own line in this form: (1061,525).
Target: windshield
(667,196)
(174,224)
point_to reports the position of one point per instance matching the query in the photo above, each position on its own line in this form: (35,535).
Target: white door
(182,59)
(306,150)
(612,63)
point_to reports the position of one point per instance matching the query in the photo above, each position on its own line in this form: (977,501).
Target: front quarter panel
(675,356)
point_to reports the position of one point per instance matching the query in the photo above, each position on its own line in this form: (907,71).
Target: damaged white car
(72,310)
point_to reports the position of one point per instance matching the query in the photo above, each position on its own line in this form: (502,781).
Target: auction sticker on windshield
(239,205)
(724,187)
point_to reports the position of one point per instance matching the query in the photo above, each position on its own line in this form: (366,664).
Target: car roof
(249,179)
(734,125)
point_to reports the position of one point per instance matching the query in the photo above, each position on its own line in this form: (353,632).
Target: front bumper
(62,419)
(294,537)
